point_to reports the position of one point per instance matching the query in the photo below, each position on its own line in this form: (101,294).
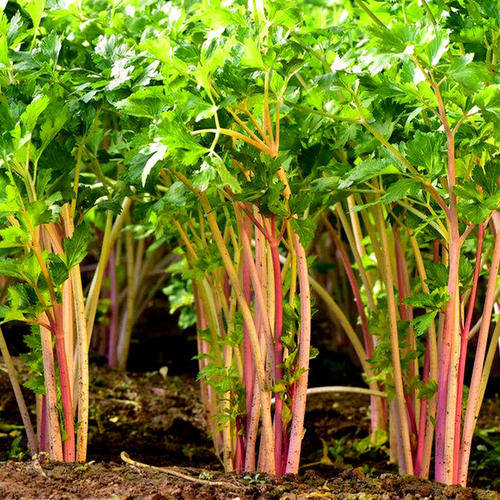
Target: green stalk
(124,343)
(354,238)
(111,233)
(403,433)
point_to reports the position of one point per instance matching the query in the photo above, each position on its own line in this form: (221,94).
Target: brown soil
(159,421)
(113,481)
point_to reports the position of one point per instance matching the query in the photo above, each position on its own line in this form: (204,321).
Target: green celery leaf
(75,248)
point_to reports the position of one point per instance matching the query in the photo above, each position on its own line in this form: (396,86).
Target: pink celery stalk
(463,350)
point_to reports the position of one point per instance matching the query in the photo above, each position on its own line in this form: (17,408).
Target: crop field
(249,249)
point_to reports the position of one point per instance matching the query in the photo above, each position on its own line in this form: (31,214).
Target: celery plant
(42,246)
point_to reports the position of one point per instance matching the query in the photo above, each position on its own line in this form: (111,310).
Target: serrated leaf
(438,46)
(14,236)
(473,212)
(75,248)
(225,176)
(11,267)
(470,75)
(36,384)
(9,314)
(35,10)
(305,229)
(401,189)
(34,109)
(422,323)
(424,151)
(487,177)
(59,272)
(437,274)
(465,270)
(203,176)
(423,300)
(145,103)
(40,212)
(56,117)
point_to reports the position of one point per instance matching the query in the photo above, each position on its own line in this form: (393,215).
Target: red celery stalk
(67,403)
(419,456)
(304,341)
(443,472)
(406,315)
(248,371)
(474,400)
(278,347)
(367,338)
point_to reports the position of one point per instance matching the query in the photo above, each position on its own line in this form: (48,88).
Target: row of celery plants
(425,93)
(248,266)
(235,128)
(47,140)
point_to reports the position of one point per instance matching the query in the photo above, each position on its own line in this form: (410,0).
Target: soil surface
(157,420)
(114,481)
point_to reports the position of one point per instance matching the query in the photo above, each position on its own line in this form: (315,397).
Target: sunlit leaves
(252,57)
(35,9)
(13,236)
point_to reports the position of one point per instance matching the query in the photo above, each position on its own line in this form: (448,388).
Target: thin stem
(110,236)
(354,238)
(426,436)
(368,340)
(347,389)
(21,403)
(401,409)
(429,12)
(374,18)
(247,316)
(236,135)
